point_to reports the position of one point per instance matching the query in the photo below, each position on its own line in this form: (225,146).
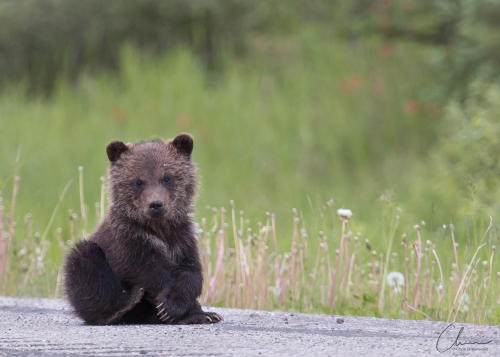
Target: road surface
(46,327)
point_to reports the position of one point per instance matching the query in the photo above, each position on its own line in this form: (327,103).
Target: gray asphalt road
(46,327)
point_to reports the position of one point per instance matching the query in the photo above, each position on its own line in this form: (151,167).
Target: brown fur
(147,239)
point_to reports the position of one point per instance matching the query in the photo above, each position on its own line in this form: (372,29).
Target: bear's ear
(115,149)
(183,143)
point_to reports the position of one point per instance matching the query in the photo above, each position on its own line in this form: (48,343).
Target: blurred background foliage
(43,41)
(290,104)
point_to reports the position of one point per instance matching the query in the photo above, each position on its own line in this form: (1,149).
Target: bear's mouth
(156,213)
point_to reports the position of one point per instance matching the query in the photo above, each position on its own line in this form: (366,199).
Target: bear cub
(142,265)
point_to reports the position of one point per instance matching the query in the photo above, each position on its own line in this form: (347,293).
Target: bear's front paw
(201,318)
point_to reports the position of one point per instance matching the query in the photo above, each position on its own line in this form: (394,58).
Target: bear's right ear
(115,149)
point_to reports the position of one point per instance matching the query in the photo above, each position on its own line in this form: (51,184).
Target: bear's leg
(93,289)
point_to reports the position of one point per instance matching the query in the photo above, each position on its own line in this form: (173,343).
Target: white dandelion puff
(396,280)
(344,213)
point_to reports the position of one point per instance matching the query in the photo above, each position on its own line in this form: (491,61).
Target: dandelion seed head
(344,213)
(396,280)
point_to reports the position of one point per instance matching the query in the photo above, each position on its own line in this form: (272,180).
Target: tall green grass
(297,124)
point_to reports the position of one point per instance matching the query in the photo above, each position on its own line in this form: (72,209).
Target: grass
(334,270)
(297,122)
(275,123)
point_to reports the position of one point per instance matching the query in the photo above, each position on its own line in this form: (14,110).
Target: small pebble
(340,321)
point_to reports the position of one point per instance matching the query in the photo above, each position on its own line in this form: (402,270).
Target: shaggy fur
(142,263)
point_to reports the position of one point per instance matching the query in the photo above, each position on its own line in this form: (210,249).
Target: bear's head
(152,181)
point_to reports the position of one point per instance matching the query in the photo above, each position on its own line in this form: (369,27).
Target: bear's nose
(156,207)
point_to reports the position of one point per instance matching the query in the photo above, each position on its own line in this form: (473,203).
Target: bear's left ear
(183,143)
(115,149)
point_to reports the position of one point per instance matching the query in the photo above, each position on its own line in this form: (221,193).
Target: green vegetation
(306,119)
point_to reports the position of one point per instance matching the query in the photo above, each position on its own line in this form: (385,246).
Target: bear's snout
(156,208)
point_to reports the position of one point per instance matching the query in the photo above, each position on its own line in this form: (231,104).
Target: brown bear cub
(142,265)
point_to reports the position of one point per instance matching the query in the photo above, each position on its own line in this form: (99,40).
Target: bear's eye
(166,179)
(139,183)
